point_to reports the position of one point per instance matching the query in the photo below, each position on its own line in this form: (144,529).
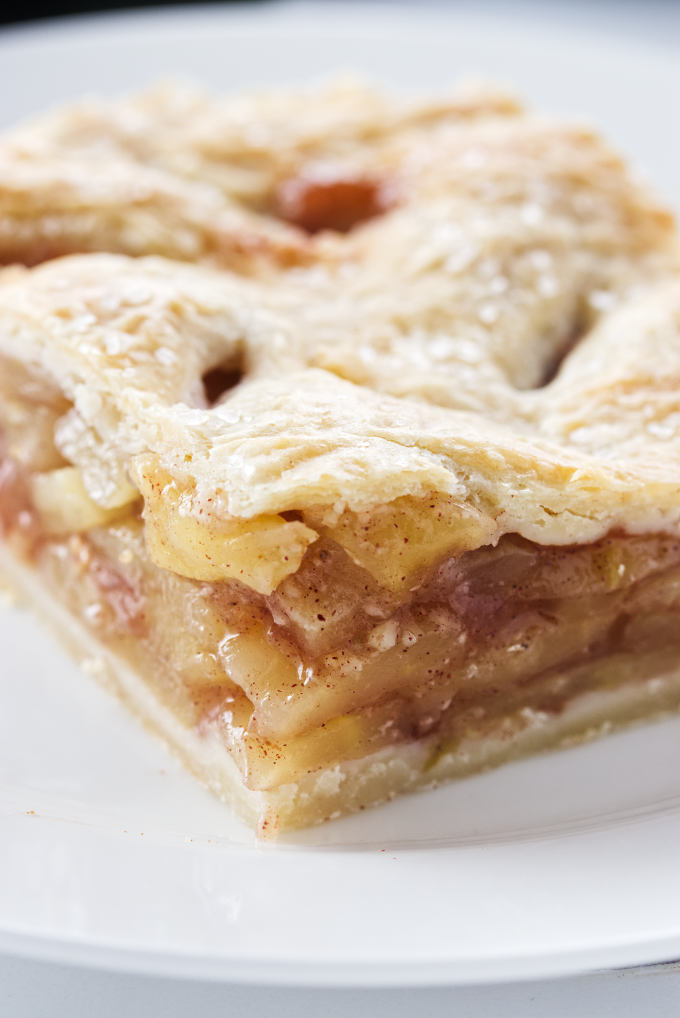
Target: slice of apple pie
(343,437)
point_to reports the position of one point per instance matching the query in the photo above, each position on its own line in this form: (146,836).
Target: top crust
(504,328)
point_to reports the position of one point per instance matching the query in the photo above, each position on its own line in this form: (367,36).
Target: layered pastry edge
(354,785)
(359,412)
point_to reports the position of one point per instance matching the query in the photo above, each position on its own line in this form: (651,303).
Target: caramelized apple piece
(532,572)
(397,543)
(64,505)
(330,600)
(261,670)
(260,552)
(267,764)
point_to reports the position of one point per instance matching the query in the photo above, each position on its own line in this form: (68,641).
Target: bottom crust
(374,779)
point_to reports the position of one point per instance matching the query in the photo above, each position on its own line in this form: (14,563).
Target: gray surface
(36,990)
(654,21)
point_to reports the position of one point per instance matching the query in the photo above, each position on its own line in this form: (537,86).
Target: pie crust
(341,430)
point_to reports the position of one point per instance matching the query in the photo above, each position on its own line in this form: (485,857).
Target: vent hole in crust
(219,381)
(552,368)
(331,199)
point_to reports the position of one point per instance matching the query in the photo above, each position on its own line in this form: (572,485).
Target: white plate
(110,855)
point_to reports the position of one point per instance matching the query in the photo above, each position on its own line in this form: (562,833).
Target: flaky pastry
(348,424)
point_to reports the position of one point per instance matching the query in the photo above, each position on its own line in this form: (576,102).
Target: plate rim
(447,972)
(109,957)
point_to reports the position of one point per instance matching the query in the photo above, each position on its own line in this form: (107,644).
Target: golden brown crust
(177,172)
(413,354)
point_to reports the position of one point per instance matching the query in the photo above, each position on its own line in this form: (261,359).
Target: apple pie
(340,432)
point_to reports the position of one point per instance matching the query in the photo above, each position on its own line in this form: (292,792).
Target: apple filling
(353,651)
